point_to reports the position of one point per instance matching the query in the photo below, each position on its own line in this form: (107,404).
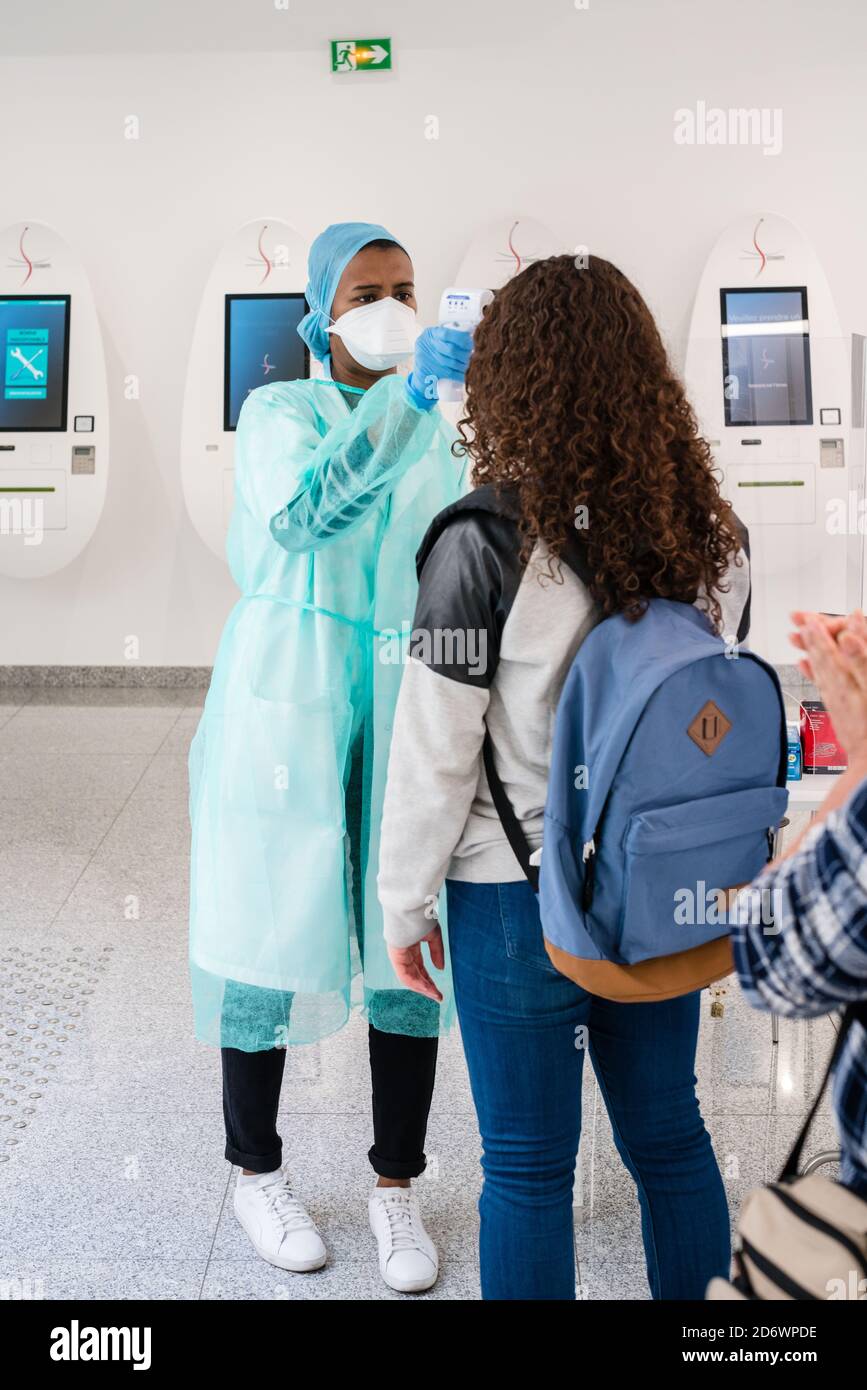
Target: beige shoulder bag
(801,1237)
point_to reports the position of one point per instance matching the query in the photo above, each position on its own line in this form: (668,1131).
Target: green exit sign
(360,55)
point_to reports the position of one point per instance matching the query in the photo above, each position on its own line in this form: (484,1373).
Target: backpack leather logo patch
(709,728)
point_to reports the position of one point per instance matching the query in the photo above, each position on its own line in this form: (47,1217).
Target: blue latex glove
(439,353)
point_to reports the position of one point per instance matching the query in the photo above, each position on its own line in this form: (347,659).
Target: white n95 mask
(378,335)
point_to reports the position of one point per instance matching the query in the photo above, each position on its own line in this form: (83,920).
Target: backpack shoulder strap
(512,826)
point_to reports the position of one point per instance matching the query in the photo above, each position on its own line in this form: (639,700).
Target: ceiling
(178,26)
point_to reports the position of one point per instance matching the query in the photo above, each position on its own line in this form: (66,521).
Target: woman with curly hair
(580,435)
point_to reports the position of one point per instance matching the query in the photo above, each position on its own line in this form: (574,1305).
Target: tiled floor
(111,1141)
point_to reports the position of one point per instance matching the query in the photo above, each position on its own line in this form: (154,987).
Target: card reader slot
(773,494)
(40,495)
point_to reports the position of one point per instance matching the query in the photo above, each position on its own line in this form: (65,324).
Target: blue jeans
(523,1026)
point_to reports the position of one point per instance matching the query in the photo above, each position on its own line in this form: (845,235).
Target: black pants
(402,1071)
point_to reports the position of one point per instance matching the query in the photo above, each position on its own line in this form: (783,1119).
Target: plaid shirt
(812,958)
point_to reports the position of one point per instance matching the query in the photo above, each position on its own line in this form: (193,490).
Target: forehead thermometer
(461,309)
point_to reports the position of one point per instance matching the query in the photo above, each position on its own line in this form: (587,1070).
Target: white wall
(559,113)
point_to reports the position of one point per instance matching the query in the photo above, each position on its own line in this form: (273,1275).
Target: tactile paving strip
(44,992)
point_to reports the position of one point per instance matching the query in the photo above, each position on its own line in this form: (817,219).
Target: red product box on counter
(823,751)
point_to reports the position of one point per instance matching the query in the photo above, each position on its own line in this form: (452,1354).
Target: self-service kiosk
(53,404)
(776,388)
(245,336)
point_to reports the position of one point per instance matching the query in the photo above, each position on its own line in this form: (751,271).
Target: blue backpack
(667,784)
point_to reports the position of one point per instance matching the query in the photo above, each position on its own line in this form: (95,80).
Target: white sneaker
(281,1230)
(407,1255)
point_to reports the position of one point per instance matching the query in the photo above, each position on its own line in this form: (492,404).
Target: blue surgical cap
(329,256)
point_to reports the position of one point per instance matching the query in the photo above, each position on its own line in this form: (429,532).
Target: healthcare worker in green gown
(337,479)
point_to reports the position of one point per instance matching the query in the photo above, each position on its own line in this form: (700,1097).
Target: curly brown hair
(572,403)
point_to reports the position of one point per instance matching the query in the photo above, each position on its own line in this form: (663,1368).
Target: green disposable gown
(333,493)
